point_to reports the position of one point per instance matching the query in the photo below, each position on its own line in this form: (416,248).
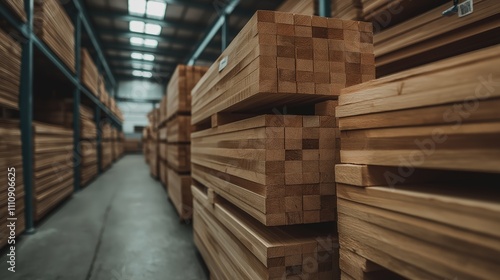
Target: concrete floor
(121,227)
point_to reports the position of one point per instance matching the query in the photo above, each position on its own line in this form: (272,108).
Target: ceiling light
(150,43)
(147,67)
(148,57)
(136,26)
(156,9)
(153,29)
(136,41)
(137,7)
(136,55)
(147,74)
(136,65)
(137,73)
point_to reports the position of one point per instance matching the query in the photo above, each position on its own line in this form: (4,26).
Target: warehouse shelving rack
(29,41)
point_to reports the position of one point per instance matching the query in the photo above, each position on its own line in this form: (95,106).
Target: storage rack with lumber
(90,74)
(10,151)
(162,141)
(53,166)
(406,179)
(107,146)
(178,152)
(10,71)
(277,169)
(151,143)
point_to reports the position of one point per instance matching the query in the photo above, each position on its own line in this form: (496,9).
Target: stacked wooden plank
(411,195)
(54,27)
(132,146)
(17,7)
(279,58)
(275,171)
(53,166)
(152,143)
(237,247)
(10,71)
(106,146)
(431,36)
(347,9)
(162,141)
(177,134)
(11,156)
(88,145)
(304,7)
(90,74)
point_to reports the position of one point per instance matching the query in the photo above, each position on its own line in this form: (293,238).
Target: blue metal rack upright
(29,42)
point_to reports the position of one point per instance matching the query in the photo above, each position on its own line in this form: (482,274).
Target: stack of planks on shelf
(133,146)
(10,71)
(345,9)
(146,137)
(106,146)
(303,7)
(277,169)
(12,181)
(248,250)
(153,144)
(178,137)
(17,7)
(54,27)
(90,74)
(431,36)
(53,178)
(162,141)
(420,156)
(88,145)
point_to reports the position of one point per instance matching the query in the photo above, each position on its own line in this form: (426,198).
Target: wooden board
(179,89)
(431,36)
(10,71)
(106,154)
(18,8)
(278,169)
(304,7)
(132,146)
(54,27)
(284,59)
(178,157)
(179,192)
(234,245)
(89,72)
(179,129)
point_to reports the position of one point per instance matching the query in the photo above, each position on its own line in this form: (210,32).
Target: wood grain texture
(236,246)
(179,192)
(284,59)
(10,71)
(17,7)
(89,72)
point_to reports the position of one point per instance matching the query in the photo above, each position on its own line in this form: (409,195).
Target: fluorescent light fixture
(137,55)
(153,29)
(136,41)
(147,67)
(147,74)
(137,7)
(150,43)
(148,57)
(137,73)
(136,26)
(156,9)
(137,65)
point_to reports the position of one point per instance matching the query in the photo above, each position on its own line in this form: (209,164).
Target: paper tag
(465,8)
(223,63)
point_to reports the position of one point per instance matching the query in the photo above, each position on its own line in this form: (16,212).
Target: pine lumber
(179,129)
(132,146)
(89,73)
(179,89)
(17,7)
(179,157)
(430,37)
(10,71)
(179,192)
(54,27)
(278,169)
(237,246)
(304,7)
(281,58)
(106,154)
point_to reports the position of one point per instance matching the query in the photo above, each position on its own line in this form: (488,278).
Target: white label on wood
(465,8)
(223,63)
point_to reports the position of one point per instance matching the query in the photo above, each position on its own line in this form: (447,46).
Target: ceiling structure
(148,38)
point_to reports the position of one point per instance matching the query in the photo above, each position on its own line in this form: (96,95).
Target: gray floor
(121,227)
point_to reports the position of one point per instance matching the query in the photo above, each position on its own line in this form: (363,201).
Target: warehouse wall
(135,114)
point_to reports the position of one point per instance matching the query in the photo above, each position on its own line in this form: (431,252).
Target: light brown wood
(10,71)
(179,192)
(90,74)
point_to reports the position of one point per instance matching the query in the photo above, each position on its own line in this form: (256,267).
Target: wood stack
(10,71)
(162,141)
(248,250)
(54,27)
(178,149)
(103,92)
(152,153)
(131,146)
(90,74)
(88,145)
(413,145)
(431,36)
(106,146)
(304,7)
(53,166)
(11,156)
(346,9)
(277,169)
(17,7)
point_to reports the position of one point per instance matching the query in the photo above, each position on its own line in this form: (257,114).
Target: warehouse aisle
(121,227)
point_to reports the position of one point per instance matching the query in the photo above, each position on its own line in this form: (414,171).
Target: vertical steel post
(325,8)
(97,116)
(224,32)
(77,152)
(26,112)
